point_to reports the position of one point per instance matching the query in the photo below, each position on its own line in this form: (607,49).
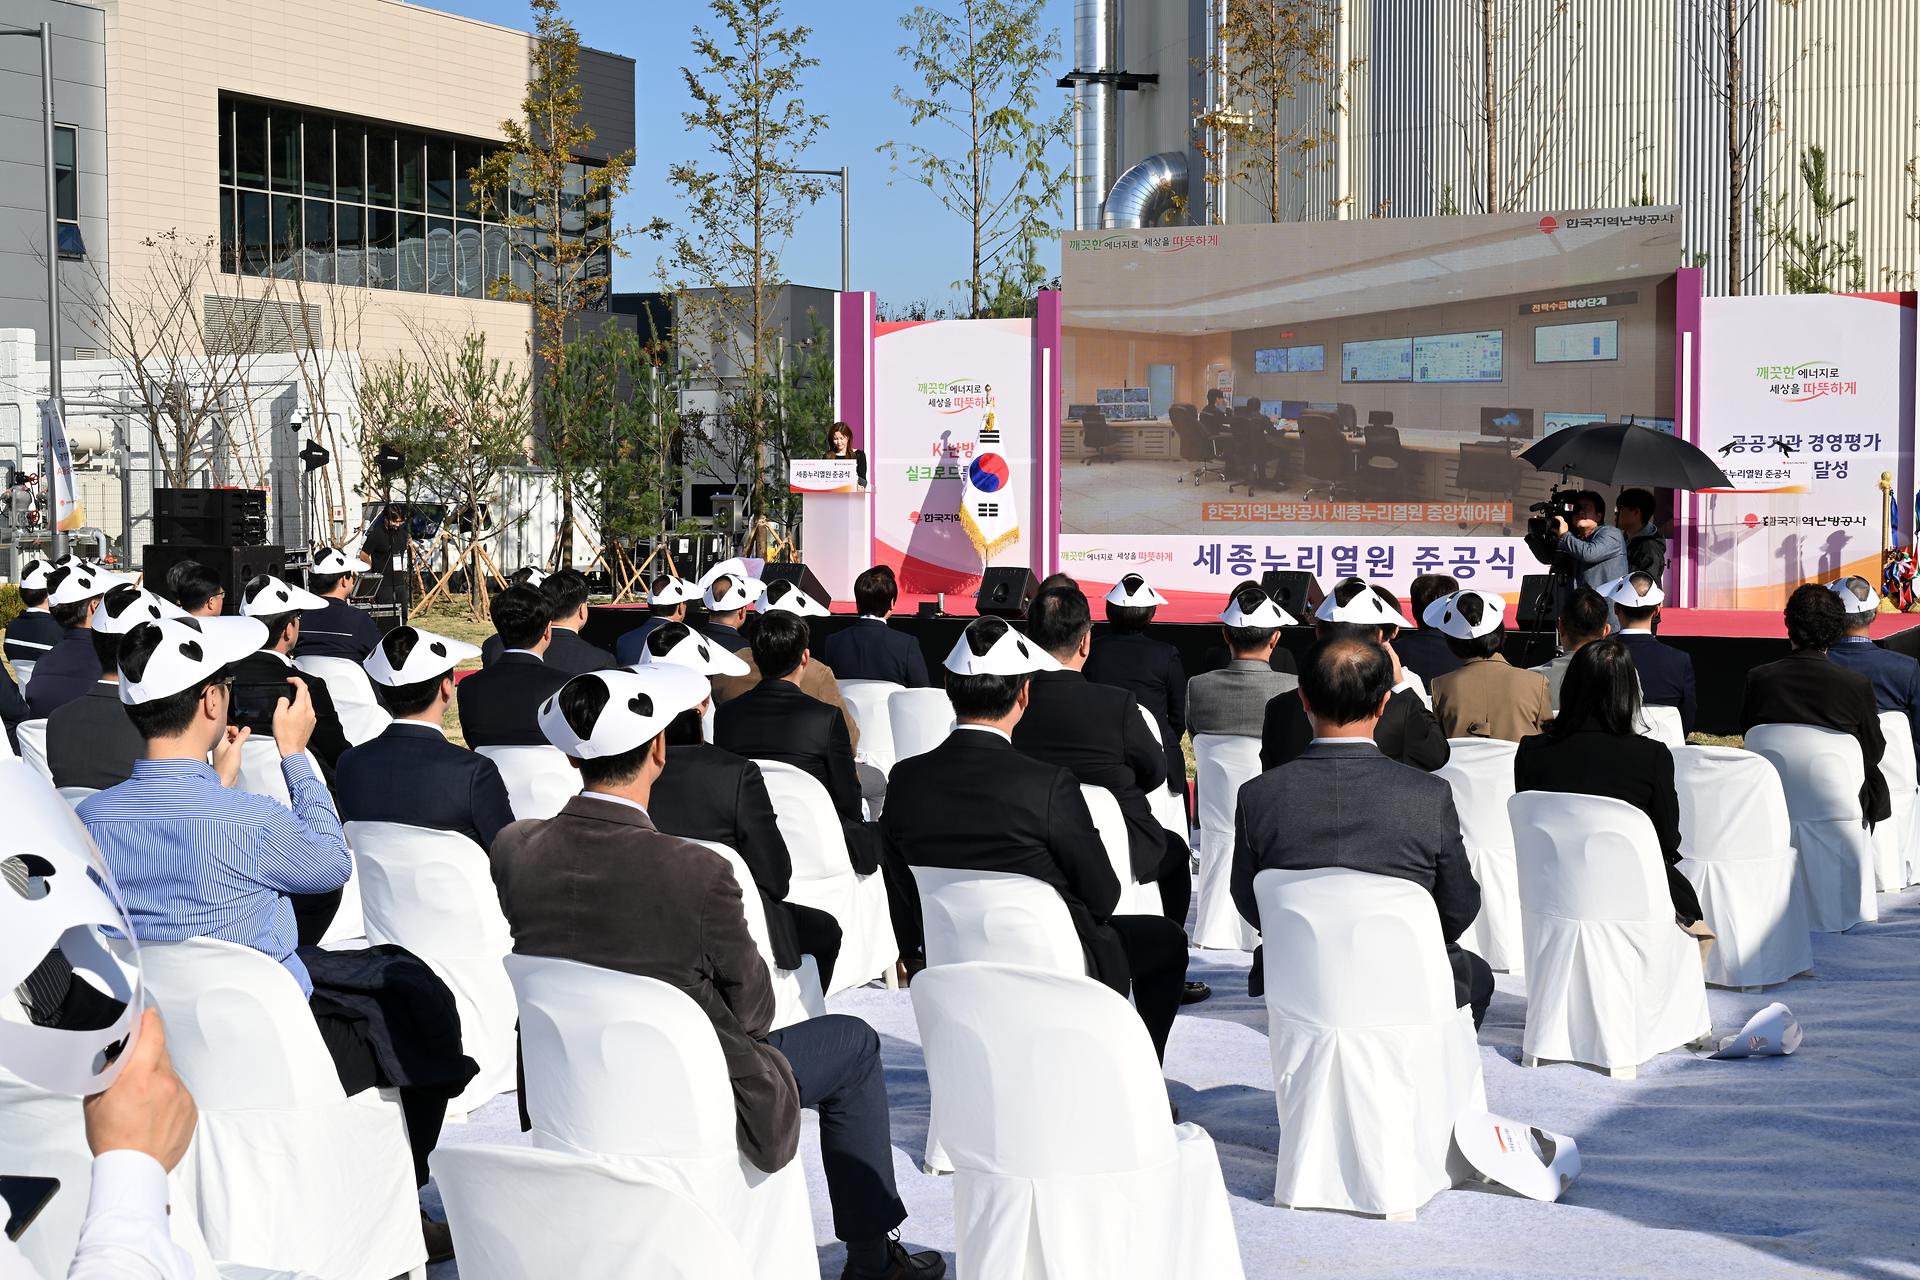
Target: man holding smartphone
(260,679)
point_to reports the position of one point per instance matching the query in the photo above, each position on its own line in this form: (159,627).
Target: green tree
(1816,258)
(1270,52)
(741,210)
(981,67)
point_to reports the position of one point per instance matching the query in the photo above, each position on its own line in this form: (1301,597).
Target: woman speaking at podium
(840,445)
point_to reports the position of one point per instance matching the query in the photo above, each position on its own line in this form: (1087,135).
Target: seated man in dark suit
(599,884)
(566,593)
(91,742)
(708,793)
(1126,657)
(527,575)
(1423,650)
(500,704)
(1808,687)
(1895,676)
(1216,416)
(1407,731)
(1252,446)
(196,588)
(66,671)
(1343,803)
(33,632)
(1233,700)
(667,600)
(983,805)
(726,590)
(1098,733)
(1666,674)
(411,774)
(280,605)
(817,680)
(339,630)
(867,648)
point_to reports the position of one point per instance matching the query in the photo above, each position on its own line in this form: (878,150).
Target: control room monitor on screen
(1572,343)
(1511,424)
(1552,422)
(1302,359)
(1380,360)
(1459,357)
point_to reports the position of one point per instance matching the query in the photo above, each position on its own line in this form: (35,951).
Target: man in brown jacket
(1486,697)
(599,885)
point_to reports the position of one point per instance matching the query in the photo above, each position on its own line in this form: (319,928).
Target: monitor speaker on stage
(800,576)
(1294,590)
(1006,591)
(1537,606)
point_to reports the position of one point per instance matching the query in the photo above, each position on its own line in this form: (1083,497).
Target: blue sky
(905,245)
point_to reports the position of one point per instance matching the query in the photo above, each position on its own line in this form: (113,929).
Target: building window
(316,197)
(66,191)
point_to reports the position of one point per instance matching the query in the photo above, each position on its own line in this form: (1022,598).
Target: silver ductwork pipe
(1093,110)
(1147,194)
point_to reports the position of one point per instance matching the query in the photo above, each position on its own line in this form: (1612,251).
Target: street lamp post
(846,278)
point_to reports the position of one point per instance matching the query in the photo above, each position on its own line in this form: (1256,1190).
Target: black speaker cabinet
(1538,606)
(210,517)
(800,576)
(1295,590)
(1006,591)
(233,565)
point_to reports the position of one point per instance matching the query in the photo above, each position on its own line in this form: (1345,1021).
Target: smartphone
(25,1198)
(254,702)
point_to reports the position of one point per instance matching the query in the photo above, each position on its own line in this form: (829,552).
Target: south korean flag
(988,511)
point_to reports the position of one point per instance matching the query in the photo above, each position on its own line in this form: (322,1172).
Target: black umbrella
(1622,453)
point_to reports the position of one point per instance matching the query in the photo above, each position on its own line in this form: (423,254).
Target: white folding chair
(1168,808)
(1893,853)
(998,916)
(75,796)
(628,1069)
(1612,980)
(1822,772)
(1223,763)
(33,746)
(1372,1060)
(920,720)
(796,992)
(540,780)
(1734,850)
(1077,1169)
(1480,771)
(518,1212)
(870,702)
(1136,897)
(260,774)
(431,892)
(281,1157)
(362,718)
(823,877)
(1662,724)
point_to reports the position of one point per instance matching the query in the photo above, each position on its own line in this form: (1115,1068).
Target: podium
(834,538)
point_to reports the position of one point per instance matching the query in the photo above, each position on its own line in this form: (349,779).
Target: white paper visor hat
(675,644)
(728,586)
(989,647)
(1846,588)
(408,655)
(1623,592)
(331,561)
(1466,614)
(1354,600)
(127,606)
(1132,592)
(56,894)
(34,575)
(188,650)
(269,597)
(1770,1033)
(1252,607)
(79,582)
(616,711)
(673,591)
(1537,1164)
(786,597)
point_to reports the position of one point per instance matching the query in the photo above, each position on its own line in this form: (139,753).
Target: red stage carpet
(1754,625)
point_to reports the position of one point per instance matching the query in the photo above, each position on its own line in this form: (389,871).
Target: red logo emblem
(1549,225)
(1751,520)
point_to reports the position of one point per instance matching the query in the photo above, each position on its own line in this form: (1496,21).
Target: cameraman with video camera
(1572,537)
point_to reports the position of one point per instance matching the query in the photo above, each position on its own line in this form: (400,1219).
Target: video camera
(1559,503)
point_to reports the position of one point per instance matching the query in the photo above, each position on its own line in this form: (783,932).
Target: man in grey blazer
(1341,803)
(1233,700)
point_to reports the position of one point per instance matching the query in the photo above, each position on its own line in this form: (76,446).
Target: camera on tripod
(1558,503)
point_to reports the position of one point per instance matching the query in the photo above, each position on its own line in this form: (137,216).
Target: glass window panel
(66,183)
(250,145)
(284,151)
(470,273)
(350,236)
(318,265)
(380,188)
(466,197)
(349,161)
(519,266)
(495,266)
(439,176)
(226,141)
(440,256)
(413,252)
(383,270)
(288,238)
(256,249)
(229,235)
(413,172)
(319,158)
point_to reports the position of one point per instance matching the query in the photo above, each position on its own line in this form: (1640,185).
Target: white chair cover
(23,672)
(517,1213)
(260,774)
(628,1069)
(540,780)
(869,700)
(796,992)
(1734,850)
(1168,808)
(1480,771)
(1893,839)
(920,720)
(1074,1170)
(1822,771)
(997,916)
(362,718)
(1612,980)
(75,796)
(1136,898)
(823,877)
(281,1158)
(1372,1060)
(1662,724)
(1222,764)
(432,893)
(33,746)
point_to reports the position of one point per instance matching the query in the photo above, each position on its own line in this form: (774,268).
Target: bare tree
(327,326)
(1517,77)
